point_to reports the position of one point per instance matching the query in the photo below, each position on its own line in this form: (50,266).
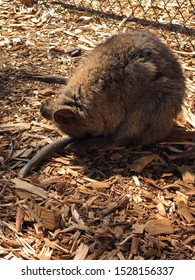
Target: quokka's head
(69,115)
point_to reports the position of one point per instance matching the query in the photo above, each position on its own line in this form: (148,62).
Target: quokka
(127,92)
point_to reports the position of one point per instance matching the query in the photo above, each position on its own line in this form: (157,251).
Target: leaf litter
(122,203)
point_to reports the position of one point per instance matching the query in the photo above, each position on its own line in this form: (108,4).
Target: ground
(120,203)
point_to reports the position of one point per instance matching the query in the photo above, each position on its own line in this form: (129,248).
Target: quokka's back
(128,91)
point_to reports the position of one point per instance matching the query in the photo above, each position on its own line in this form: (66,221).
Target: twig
(186,53)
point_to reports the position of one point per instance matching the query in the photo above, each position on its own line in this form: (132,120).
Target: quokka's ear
(65,115)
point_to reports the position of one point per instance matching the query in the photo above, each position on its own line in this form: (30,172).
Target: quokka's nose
(45,110)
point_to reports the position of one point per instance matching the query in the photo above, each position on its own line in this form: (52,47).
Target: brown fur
(127,92)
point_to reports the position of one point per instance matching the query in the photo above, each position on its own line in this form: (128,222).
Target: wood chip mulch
(120,203)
